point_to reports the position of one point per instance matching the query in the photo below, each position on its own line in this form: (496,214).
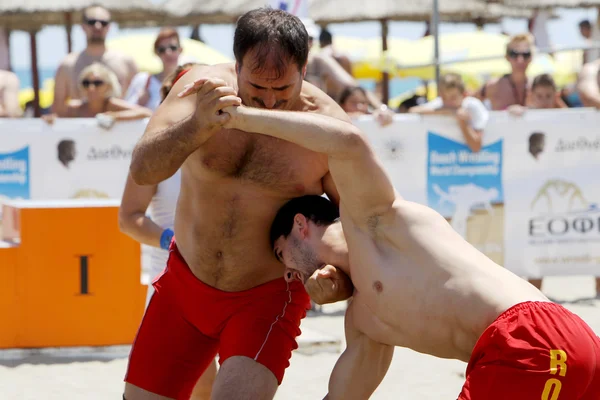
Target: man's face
(297,253)
(519,56)
(452,98)
(95,25)
(543,97)
(264,89)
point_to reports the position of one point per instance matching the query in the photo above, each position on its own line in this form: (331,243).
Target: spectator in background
(156,229)
(511,88)
(9,95)
(471,114)
(590,34)
(355,102)
(326,44)
(145,88)
(413,101)
(101,90)
(544,95)
(588,84)
(96,21)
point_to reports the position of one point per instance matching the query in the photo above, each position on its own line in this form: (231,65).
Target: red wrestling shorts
(187,322)
(535,350)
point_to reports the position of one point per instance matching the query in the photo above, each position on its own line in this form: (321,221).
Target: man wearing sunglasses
(511,88)
(95,23)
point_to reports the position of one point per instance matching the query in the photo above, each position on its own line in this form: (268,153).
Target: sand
(94,375)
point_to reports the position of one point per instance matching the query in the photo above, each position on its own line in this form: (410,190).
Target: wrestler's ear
(301,224)
(237,68)
(304,71)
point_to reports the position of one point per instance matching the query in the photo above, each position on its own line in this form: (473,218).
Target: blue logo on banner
(14,174)
(458,179)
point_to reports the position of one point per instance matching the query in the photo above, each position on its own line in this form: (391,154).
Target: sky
(52,45)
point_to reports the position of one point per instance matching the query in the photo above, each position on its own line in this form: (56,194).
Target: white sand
(92,375)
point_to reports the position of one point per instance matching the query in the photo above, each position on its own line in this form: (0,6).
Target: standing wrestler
(223,287)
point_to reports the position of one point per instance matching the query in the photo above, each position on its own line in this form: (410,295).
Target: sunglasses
(86,83)
(93,22)
(515,54)
(163,49)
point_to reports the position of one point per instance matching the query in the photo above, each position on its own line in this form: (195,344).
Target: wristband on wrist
(165,239)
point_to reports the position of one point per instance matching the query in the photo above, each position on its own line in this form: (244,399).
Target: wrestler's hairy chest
(258,159)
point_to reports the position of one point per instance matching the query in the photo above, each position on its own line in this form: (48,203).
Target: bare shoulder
(225,72)
(313,99)
(69,60)
(590,70)
(9,78)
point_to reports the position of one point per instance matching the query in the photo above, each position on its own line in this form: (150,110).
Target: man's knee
(243,378)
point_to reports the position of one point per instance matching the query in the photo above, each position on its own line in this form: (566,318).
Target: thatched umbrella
(331,11)
(32,15)
(544,4)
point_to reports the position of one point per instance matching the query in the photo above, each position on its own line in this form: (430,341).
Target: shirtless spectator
(511,88)
(588,84)
(223,289)
(471,114)
(9,95)
(326,45)
(418,283)
(590,34)
(96,21)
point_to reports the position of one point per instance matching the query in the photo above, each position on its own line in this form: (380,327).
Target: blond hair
(109,77)
(521,37)
(452,81)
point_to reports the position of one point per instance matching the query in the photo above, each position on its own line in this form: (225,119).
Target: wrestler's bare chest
(262,161)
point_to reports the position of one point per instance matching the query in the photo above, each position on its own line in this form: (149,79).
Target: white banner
(553,192)
(70,159)
(534,211)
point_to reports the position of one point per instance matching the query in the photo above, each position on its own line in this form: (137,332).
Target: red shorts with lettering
(187,322)
(535,350)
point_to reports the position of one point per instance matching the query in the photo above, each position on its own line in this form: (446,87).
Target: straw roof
(33,14)
(183,12)
(330,11)
(543,4)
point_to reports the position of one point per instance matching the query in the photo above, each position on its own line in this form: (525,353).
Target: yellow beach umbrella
(473,45)
(141,48)
(46,94)
(368,60)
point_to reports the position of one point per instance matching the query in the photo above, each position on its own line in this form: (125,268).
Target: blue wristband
(165,239)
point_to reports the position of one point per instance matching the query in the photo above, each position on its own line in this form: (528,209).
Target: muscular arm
(361,367)
(10,101)
(588,85)
(175,130)
(364,187)
(132,214)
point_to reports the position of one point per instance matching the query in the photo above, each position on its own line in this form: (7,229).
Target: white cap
(311,27)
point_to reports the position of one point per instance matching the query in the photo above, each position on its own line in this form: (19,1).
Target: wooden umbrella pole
(35,78)
(69,29)
(385,83)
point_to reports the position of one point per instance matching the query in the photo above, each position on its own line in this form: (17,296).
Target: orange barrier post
(76,277)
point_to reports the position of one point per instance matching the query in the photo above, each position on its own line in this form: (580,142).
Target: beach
(95,374)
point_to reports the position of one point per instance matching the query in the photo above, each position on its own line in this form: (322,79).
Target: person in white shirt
(145,88)
(471,114)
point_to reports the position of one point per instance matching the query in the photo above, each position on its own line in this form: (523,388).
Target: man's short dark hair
(277,36)
(585,24)
(325,38)
(315,208)
(543,80)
